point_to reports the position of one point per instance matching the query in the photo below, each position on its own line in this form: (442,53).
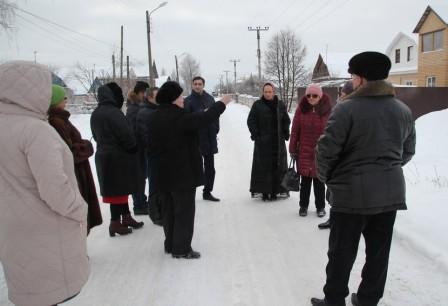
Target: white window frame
(431,81)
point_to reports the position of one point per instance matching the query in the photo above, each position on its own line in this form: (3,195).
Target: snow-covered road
(253,253)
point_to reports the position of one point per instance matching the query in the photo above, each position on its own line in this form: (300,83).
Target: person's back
(43,219)
(373,152)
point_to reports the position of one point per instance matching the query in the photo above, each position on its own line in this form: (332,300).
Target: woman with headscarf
(116,158)
(308,124)
(82,149)
(268,123)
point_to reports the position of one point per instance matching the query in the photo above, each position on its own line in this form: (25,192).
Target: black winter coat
(370,135)
(174,157)
(208,135)
(145,110)
(115,158)
(268,123)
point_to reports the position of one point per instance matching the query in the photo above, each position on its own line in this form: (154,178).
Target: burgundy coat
(308,125)
(82,149)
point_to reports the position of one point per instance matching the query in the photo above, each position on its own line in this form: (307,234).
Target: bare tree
(7,14)
(90,79)
(189,68)
(284,64)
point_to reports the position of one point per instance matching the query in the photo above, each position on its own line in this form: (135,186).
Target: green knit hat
(57,95)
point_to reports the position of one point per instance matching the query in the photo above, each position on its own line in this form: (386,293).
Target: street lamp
(148,29)
(177,66)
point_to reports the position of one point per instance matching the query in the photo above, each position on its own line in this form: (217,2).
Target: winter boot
(190,255)
(140,210)
(324,302)
(209,197)
(324,225)
(321,212)
(356,302)
(265,197)
(273,197)
(303,211)
(127,220)
(116,227)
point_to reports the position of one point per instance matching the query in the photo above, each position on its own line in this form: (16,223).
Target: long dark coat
(268,124)
(208,142)
(82,149)
(369,137)
(175,160)
(115,158)
(307,126)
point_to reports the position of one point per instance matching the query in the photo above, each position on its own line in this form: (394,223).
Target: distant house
(432,30)
(403,54)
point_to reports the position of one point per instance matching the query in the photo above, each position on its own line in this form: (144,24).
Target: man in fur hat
(369,137)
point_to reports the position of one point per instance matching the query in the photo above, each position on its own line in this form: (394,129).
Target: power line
(59,38)
(324,16)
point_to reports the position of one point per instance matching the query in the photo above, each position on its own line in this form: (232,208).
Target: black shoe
(190,255)
(354,299)
(273,197)
(303,211)
(141,210)
(324,225)
(321,212)
(323,302)
(265,197)
(209,197)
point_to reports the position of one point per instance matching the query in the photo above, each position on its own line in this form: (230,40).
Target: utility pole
(113,68)
(148,36)
(234,73)
(121,58)
(127,71)
(227,80)
(177,69)
(221,76)
(35,58)
(258,29)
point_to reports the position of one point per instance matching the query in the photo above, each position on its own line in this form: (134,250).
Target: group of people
(357,149)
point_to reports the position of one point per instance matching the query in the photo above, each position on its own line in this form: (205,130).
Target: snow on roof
(397,38)
(404,70)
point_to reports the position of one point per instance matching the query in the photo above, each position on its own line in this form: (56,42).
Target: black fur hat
(169,92)
(140,87)
(117,92)
(370,65)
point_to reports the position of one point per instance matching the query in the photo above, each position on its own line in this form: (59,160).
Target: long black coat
(175,160)
(268,124)
(115,159)
(208,142)
(145,110)
(369,137)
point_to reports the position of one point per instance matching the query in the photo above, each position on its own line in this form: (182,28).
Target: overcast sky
(212,31)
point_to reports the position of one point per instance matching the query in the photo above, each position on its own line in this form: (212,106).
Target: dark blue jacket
(208,142)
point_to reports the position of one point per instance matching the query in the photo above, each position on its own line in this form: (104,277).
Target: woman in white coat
(43,215)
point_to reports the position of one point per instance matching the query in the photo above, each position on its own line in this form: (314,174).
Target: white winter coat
(42,214)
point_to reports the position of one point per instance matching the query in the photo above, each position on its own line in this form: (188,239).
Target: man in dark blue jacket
(369,137)
(200,101)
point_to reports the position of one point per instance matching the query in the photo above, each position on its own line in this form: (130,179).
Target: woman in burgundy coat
(308,125)
(82,149)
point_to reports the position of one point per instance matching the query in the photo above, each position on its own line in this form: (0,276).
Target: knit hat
(314,89)
(117,92)
(140,86)
(57,95)
(169,92)
(370,65)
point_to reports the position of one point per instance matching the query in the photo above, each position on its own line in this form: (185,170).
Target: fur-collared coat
(369,137)
(82,149)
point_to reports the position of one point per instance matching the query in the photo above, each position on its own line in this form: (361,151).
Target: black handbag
(291,180)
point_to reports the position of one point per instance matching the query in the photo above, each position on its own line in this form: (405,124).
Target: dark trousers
(178,208)
(118,210)
(209,172)
(345,233)
(139,198)
(305,191)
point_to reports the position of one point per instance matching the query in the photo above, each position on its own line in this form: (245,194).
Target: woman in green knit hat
(82,149)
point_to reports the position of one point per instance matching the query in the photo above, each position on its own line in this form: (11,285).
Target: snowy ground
(257,253)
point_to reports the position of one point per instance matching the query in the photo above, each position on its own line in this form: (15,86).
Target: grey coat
(370,135)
